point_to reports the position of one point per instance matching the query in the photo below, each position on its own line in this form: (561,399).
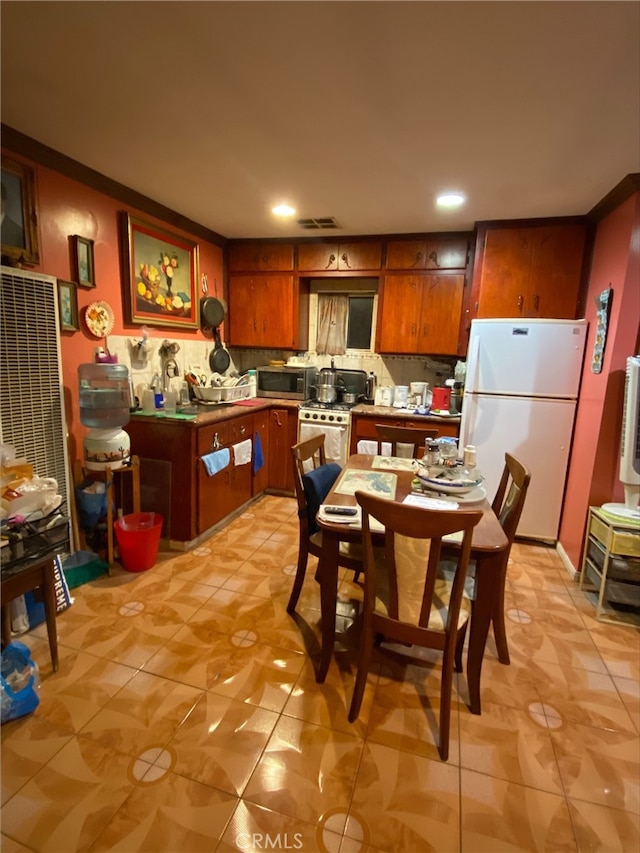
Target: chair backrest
(508,503)
(395,435)
(402,595)
(313,477)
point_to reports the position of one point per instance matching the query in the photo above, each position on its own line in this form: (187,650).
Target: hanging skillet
(212,309)
(219,359)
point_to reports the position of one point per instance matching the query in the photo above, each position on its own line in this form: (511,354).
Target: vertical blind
(32,417)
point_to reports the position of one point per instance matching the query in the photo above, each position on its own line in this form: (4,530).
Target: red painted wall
(593,472)
(66,207)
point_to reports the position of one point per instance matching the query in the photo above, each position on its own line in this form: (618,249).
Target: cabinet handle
(434,257)
(414,328)
(345,260)
(332,260)
(242,430)
(418,259)
(520,302)
(215,444)
(425,329)
(277,417)
(536,302)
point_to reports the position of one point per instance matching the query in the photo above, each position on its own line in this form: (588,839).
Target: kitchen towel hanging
(258,458)
(216,461)
(242,452)
(335,440)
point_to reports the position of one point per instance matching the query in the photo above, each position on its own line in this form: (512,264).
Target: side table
(611,563)
(39,574)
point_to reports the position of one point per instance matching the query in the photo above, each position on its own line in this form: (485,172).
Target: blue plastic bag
(20,682)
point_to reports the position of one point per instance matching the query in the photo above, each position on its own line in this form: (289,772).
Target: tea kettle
(370,387)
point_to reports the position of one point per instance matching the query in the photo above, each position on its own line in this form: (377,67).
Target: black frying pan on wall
(219,359)
(212,312)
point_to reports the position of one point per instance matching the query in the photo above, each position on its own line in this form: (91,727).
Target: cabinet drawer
(206,442)
(240,429)
(260,256)
(623,542)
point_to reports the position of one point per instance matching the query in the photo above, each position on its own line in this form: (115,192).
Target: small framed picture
(83,257)
(68,306)
(19,226)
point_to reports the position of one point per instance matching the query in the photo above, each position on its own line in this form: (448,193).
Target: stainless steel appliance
(287,382)
(332,419)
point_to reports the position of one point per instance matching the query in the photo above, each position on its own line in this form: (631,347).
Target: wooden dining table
(487,550)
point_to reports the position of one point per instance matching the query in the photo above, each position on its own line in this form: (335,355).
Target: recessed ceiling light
(283,210)
(450,199)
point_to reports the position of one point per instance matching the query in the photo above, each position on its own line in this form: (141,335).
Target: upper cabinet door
(439,330)
(556,271)
(399,314)
(260,257)
(317,257)
(436,253)
(359,256)
(506,267)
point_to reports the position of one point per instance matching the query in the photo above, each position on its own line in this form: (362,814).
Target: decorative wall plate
(99,319)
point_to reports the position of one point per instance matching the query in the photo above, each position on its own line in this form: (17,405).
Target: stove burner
(334,407)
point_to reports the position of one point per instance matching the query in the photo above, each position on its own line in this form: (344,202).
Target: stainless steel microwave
(290,383)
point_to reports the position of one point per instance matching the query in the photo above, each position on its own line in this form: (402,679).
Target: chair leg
(301,570)
(361,676)
(445,703)
(459,647)
(497,620)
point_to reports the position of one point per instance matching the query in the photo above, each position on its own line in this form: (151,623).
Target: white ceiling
(362,111)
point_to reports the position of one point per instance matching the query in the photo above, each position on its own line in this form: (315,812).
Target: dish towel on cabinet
(335,440)
(258,458)
(216,461)
(242,452)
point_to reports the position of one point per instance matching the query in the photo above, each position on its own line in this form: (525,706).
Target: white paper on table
(429,503)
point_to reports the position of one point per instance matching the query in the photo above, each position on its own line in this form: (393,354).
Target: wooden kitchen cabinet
(267,311)
(260,257)
(432,253)
(528,271)
(420,314)
(213,492)
(363,426)
(334,257)
(283,434)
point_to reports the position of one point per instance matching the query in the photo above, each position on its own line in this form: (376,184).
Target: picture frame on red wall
(84,265)
(161,276)
(19,229)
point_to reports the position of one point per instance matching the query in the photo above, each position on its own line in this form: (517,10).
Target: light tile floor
(185,717)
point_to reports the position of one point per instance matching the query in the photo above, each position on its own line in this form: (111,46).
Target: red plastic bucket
(138,537)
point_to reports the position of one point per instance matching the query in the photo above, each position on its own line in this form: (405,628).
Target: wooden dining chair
(507,504)
(313,478)
(395,435)
(404,599)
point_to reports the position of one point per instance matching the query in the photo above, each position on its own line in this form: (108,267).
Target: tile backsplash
(145,363)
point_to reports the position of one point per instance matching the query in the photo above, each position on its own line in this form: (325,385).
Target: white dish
(473,497)
(99,319)
(448,485)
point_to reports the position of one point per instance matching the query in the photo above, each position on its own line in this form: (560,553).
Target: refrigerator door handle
(473,365)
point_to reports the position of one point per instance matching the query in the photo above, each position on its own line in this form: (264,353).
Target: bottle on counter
(470,457)
(431,452)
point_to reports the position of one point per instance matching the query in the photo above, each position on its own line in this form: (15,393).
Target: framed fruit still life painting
(161,275)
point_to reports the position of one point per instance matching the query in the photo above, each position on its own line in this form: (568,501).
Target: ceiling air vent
(320,224)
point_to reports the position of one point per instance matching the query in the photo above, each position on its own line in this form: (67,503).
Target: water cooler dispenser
(105,401)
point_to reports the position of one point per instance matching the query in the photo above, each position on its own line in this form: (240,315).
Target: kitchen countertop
(199,415)
(205,415)
(392,412)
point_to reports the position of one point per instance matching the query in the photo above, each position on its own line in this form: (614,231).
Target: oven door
(336,439)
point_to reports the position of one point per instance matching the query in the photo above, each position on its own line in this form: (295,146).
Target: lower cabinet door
(283,434)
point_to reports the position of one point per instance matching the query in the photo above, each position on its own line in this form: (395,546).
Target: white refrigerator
(520,396)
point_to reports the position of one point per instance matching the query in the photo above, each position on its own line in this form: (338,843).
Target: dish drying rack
(221,394)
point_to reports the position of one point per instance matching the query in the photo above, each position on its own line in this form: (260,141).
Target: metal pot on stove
(327,384)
